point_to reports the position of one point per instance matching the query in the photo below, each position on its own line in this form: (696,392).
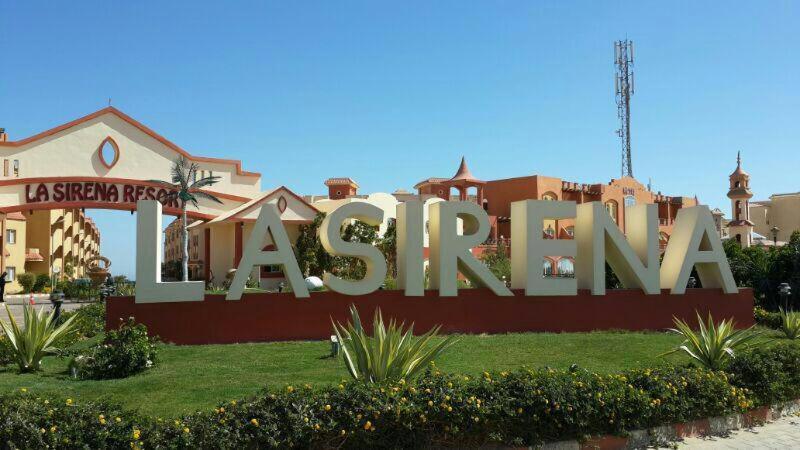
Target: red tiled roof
(33,256)
(341,181)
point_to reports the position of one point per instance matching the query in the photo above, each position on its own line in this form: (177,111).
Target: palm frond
(207,196)
(205,181)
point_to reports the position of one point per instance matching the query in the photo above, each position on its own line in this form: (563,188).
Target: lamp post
(784,290)
(775,231)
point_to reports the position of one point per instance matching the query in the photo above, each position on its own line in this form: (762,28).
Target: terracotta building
(496,197)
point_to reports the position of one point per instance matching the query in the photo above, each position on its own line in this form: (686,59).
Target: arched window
(612,207)
(738,209)
(566,268)
(549,196)
(737,184)
(547,268)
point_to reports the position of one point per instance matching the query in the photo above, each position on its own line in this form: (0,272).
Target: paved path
(783,433)
(16,308)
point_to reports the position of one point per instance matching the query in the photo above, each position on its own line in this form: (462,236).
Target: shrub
(125,351)
(715,344)
(767,318)
(26,281)
(771,373)
(79,288)
(42,281)
(790,324)
(522,408)
(6,352)
(390,353)
(41,335)
(90,319)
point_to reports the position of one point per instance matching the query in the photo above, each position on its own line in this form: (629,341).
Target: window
(12,273)
(16,167)
(11,236)
(210,173)
(5,167)
(611,207)
(566,268)
(630,200)
(547,268)
(570,231)
(549,196)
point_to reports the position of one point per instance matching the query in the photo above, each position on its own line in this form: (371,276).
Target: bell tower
(740,226)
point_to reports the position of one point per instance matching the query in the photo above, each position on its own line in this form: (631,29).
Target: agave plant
(390,353)
(714,344)
(790,324)
(40,336)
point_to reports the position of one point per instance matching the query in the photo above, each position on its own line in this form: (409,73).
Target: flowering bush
(526,407)
(125,351)
(771,373)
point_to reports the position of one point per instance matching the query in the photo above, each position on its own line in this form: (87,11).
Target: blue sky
(389,94)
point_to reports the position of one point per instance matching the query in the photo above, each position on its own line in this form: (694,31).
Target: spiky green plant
(790,324)
(713,344)
(390,353)
(40,336)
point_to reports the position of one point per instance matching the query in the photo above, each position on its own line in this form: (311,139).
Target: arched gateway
(104,160)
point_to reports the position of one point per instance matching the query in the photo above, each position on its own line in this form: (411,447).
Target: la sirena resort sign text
(91,191)
(634,257)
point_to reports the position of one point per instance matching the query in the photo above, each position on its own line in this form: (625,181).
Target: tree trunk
(185,246)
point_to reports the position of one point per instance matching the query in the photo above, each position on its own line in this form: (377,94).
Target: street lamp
(784,290)
(775,231)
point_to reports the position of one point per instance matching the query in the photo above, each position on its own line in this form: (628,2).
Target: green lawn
(188,378)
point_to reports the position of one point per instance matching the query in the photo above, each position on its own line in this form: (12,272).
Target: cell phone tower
(624,87)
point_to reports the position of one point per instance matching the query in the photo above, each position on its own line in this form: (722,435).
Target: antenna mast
(624,87)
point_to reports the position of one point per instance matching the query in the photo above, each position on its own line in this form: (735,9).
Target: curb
(712,426)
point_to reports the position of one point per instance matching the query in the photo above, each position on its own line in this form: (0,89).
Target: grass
(188,378)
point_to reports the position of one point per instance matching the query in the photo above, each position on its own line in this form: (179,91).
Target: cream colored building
(780,214)
(46,242)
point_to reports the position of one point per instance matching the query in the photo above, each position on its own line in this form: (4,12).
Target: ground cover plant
(239,370)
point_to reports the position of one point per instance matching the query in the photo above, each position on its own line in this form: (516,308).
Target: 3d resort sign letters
(634,258)
(92,191)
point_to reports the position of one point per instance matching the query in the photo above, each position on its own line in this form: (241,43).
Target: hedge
(525,407)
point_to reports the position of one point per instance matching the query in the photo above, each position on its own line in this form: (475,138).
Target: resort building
(58,243)
(777,218)
(108,160)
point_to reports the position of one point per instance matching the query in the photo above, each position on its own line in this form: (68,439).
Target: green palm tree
(185,188)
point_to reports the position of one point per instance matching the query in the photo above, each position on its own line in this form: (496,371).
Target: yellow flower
(447,397)
(69,401)
(185,430)
(221,410)
(327,407)
(46,402)
(289,389)
(341,386)
(136,434)
(42,430)
(430,402)
(367,425)
(520,410)
(254,421)
(316,426)
(343,432)
(233,402)
(117,419)
(24,390)
(53,429)
(449,409)
(102,421)
(305,419)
